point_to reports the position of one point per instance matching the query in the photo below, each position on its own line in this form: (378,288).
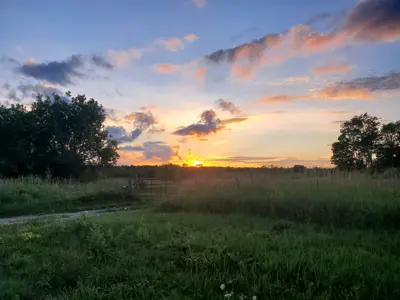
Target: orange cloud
(332,68)
(200,73)
(173,44)
(243,72)
(280,98)
(166,68)
(344,92)
(190,37)
(30,61)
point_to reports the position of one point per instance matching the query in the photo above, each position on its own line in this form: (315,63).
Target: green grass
(272,239)
(372,205)
(137,255)
(34,196)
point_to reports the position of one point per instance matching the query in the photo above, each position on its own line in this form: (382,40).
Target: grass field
(35,196)
(277,239)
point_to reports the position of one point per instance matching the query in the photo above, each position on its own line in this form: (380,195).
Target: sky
(221,82)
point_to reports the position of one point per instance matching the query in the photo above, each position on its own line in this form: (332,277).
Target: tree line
(64,137)
(56,136)
(365,143)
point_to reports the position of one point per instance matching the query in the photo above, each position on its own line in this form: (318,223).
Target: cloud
(362,88)
(332,68)
(119,134)
(234,120)
(173,44)
(131,148)
(142,120)
(31,91)
(166,68)
(374,21)
(122,57)
(369,21)
(280,98)
(100,61)
(9,60)
(243,72)
(246,159)
(154,150)
(200,73)
(191,37)
(150,107)
(30,61)
(200,3)
(228,106)
(292,81)
(209,123)
(62,72)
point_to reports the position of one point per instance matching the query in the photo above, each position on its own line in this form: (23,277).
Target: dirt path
(64,216)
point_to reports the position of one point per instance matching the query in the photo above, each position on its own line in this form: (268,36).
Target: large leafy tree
(357,143)
(388,153)
(59,135)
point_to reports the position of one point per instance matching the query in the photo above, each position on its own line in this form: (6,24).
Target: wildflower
(254,298)
(222,287)
(228,295)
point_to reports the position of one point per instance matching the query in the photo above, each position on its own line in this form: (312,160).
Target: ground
(297,240)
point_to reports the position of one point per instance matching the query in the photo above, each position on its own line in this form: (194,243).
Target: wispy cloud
(200,3)
(166,68)
(154,150)
(228,106)
(362,88)
(191,37)
(331,68)
(292,81)
(122,57)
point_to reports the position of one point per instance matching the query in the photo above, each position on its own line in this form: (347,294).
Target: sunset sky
(236,82)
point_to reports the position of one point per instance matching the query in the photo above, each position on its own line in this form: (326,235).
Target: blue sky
(287,74)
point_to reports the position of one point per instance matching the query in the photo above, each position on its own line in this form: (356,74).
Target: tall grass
(352,202)
(32,195)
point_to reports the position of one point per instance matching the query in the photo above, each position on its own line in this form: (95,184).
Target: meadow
(227,236)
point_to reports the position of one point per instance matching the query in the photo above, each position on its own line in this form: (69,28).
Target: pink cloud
(190,37)
(166,68)
(331,68)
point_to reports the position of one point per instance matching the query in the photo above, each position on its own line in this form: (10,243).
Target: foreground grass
(136,255)
(35,196)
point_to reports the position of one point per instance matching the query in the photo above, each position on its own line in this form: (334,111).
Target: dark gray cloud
(101,62)
(62,72)
(368,21)
(23,91)
(7,59)
(119,134)
(374,20)
(209,123)
(228,106)
(132,148)
(390,81)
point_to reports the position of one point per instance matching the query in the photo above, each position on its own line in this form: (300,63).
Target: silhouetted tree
(388,154)
(299,169)
(57,135)
(357,142)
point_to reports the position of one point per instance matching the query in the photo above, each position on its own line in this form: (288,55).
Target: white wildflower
(228,295)
(254,298)
(222,287)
